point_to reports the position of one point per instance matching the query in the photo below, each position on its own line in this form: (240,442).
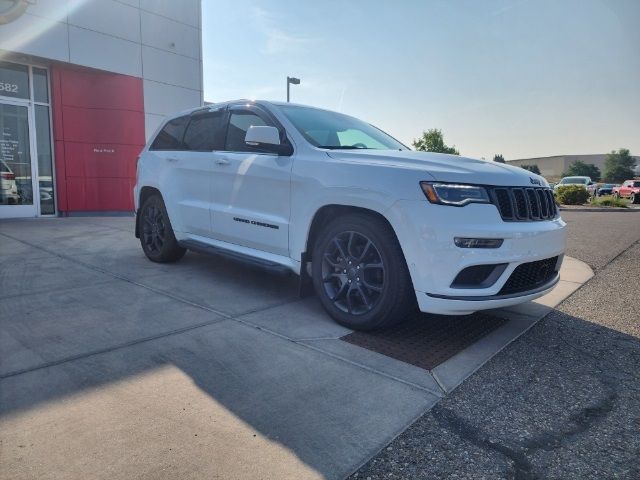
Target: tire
(635,198)
(616,195)
(373,291)
(156,234)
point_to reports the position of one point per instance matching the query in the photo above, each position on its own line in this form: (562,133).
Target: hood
(445,168)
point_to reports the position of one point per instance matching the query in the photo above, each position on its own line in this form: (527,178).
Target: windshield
(324,129)
(575,180)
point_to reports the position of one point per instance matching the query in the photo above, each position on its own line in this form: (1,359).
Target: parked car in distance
(629,189)
(605,189)
(374,228)
(584,181)
(8,187)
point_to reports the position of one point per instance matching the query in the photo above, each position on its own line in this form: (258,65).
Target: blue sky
(522,78)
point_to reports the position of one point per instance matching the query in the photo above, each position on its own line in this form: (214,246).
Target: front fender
(304,211)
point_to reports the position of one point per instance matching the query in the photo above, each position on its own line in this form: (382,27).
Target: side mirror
(267,138)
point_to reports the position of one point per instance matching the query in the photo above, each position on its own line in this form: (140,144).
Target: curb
(600,209)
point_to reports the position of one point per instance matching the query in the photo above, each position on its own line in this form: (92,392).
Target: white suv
(585,182)
(375,227)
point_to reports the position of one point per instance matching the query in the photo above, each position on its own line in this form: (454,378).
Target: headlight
(454,194)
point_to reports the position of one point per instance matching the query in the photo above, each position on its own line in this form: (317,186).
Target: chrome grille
(519,204)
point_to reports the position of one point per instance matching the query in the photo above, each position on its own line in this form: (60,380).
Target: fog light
(478,242)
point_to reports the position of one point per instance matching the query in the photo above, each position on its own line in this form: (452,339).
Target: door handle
(222,161)
(172,159)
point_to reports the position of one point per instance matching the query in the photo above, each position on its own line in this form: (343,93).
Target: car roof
(241,100)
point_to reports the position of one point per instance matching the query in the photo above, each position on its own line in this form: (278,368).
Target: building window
(45,160)
(14,80)
(40,85)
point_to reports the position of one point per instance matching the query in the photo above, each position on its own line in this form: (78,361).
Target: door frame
(35,209)
(17,211)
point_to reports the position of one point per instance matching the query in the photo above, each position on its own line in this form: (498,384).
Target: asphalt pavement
(598,237)
(561,402)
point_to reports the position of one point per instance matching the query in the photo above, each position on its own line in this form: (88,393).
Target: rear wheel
(360,274)
(156,235)
(635,198)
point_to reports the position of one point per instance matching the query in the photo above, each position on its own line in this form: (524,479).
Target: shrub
(609,201)
(572,195)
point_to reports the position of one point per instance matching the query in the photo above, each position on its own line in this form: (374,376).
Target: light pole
(290,81)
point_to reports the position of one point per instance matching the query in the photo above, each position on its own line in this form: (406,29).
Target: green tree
(498,158)
(618,166)
(433,141)
(531,168)
(580,169)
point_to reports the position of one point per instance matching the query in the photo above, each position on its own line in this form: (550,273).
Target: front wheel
(360,274)
(635,198)
(156,235)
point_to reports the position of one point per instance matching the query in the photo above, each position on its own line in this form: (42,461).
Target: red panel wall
(98,128)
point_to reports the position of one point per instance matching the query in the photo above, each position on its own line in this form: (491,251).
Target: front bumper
(426,232)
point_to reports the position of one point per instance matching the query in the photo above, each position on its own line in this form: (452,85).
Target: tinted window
(239,123)
(170,137)
(205,132)
(578,180)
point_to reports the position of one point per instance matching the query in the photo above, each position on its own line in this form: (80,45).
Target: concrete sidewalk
(114,367)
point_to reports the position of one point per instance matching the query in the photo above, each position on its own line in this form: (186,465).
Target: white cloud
(278,40)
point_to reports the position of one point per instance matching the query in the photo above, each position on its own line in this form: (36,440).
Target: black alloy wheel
(153,229)
(352,273)
(360,274)
(156,234)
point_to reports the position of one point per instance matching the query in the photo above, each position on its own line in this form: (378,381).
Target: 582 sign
(8,88)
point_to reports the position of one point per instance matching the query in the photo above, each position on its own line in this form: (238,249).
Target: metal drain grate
(427,340)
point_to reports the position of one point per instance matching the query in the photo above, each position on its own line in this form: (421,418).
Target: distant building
(554,167)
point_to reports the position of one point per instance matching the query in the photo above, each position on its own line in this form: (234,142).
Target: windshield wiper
(343,147)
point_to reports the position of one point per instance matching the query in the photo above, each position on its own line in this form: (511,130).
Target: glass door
(17,177)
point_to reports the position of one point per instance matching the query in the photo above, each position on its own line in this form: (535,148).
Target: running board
(207,249)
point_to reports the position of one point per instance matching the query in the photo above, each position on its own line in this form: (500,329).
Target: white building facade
(105,72)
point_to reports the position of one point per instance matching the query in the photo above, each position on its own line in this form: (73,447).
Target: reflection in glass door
(16,177)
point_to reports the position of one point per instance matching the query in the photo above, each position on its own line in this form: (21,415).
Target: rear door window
(205,131)
(171,135)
